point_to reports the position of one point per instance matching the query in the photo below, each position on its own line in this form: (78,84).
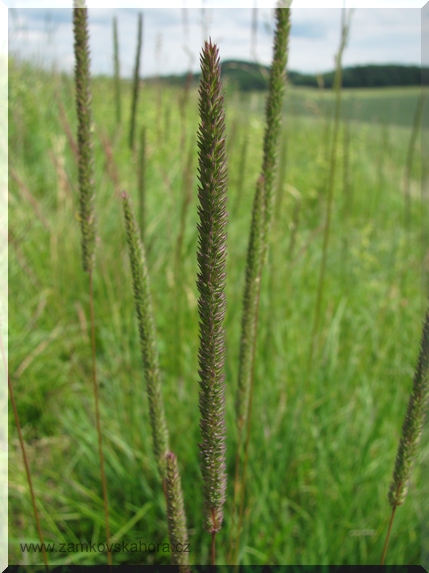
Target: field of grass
(382,106)
(324,439)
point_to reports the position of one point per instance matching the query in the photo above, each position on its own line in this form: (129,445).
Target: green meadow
(383,106)
(324,436)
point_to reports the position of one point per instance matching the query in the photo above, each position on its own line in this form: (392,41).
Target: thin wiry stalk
(176,516)
(142,183)
(28,196)
(117,70)
(212,194)
(136,82)
(26,464)
(143,304)
(87,214)
(412,429)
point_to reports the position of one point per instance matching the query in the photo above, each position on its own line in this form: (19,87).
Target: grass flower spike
(87,211)
(176,517)
(136,82)
(262,213)
(273,111)
(143,304)
(257,249)
(86,154)
(249,318)
(412,429)
(211,286)
(413,423)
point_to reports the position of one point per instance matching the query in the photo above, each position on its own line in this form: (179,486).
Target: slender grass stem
(97,419)
(141,183)
(389,529)
(27,470)
(136,82)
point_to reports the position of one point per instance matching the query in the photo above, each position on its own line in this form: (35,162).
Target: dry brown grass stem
(25,460)
(27,195)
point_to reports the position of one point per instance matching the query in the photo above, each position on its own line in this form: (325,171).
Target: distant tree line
(372,76)
(248,76)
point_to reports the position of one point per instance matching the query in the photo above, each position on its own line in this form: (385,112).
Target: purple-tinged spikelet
(211,285)
(176,517)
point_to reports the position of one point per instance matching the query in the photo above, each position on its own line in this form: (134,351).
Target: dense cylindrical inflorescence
(273,112)
(117,70)
(84,134)
(262,213)
(413,423)
(176,517)
(136,82)
(251,300)
(143,304)
(212,193)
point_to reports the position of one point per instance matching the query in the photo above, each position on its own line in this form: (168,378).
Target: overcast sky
(172,37)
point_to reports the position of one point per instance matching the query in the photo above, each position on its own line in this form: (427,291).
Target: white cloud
(376,36)
(148,4)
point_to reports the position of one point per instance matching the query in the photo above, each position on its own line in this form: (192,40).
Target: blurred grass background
(318,479)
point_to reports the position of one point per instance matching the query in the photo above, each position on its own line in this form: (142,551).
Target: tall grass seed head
(211,280)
